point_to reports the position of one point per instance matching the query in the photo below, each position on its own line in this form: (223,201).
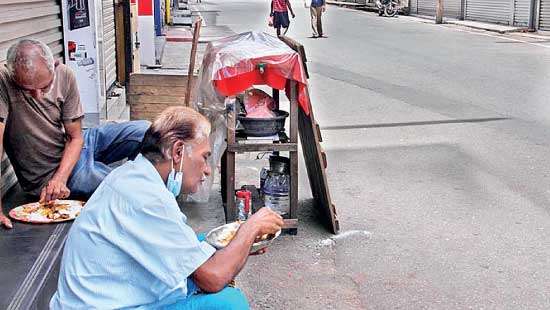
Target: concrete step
(182,20)
(180,12)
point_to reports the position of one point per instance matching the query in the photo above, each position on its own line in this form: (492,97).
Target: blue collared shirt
(130,247)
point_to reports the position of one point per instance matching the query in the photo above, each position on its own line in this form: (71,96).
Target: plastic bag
(258,104)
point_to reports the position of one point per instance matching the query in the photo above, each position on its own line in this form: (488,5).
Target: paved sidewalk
(486,26)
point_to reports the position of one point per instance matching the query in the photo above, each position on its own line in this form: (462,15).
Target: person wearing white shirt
(131,246)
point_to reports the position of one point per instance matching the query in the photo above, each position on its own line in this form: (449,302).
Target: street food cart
(231,66)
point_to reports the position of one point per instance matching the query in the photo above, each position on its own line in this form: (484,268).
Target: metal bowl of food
(221,236)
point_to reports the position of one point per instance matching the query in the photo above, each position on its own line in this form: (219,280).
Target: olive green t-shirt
(34,136)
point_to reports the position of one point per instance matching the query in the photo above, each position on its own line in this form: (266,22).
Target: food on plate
(264,237)
(55,211)
(227,236)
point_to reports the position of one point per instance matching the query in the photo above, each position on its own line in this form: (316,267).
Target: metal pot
(279,164)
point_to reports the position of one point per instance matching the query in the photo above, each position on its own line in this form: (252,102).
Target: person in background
(131,246)
(41,128)
(317,8)
(279,13)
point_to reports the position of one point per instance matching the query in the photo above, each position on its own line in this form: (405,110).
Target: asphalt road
(438,146)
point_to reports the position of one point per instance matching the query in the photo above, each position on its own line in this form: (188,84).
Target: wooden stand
(315,157)
(235,145)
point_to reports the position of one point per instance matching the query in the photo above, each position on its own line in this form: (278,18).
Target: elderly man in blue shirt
(131,247)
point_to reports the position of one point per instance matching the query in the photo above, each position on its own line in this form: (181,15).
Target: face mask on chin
(175,179)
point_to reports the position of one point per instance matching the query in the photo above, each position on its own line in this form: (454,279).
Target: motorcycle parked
(388,8)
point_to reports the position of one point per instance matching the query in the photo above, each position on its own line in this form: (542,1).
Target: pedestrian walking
(279,15)
(317,8)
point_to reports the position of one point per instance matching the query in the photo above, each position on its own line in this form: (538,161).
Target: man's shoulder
(63,70)
(137,183)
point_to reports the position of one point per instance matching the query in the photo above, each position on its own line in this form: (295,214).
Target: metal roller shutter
(521,13)
(19,19)
(414,7)
(426,7)
(451,8)
(30,19)
(492,11)
(544,15)
(109,43)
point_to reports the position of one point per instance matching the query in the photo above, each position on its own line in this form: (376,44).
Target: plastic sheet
(258,104)
(234,64)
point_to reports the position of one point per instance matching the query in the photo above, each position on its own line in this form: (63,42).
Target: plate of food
(43,213)
(221,236)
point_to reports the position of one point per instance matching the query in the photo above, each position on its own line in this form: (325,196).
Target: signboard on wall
(79,14)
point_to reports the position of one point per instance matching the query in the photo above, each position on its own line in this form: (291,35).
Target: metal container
(262,127)
(279,164)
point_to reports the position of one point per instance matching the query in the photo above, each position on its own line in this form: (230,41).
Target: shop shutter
(544,15)
(109,43)
(39,20)
(414,7)
(521,13)
(451,8)
(426,7)
(29,19)
(491,11)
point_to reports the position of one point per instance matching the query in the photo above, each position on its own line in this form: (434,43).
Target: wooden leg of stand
(231,212)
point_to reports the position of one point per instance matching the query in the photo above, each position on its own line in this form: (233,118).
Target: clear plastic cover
(234,64)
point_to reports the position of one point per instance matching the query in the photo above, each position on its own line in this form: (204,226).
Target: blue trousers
(229,298)
(104,145)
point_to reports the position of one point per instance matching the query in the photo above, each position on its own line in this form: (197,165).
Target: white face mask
(175,179)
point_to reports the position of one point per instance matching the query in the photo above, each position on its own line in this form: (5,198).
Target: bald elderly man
(41,128)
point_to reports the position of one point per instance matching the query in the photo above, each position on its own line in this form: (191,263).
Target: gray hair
(171,125)
(23,56)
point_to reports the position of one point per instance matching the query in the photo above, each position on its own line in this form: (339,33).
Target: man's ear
(179,150)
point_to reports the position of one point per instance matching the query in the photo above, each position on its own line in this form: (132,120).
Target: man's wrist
(60,178)
(249,228)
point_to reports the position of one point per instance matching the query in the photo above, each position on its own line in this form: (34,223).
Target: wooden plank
(262,147)
(230,208)
(137,99)
(299,48)
(276,98)
(319,133)
(293,112)
(313,155)
(121,40)
(316,172)
(191,72)
(294,106)
(158,79)
(175,91)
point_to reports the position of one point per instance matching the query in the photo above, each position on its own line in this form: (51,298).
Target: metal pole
(439,12)
(532,16)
